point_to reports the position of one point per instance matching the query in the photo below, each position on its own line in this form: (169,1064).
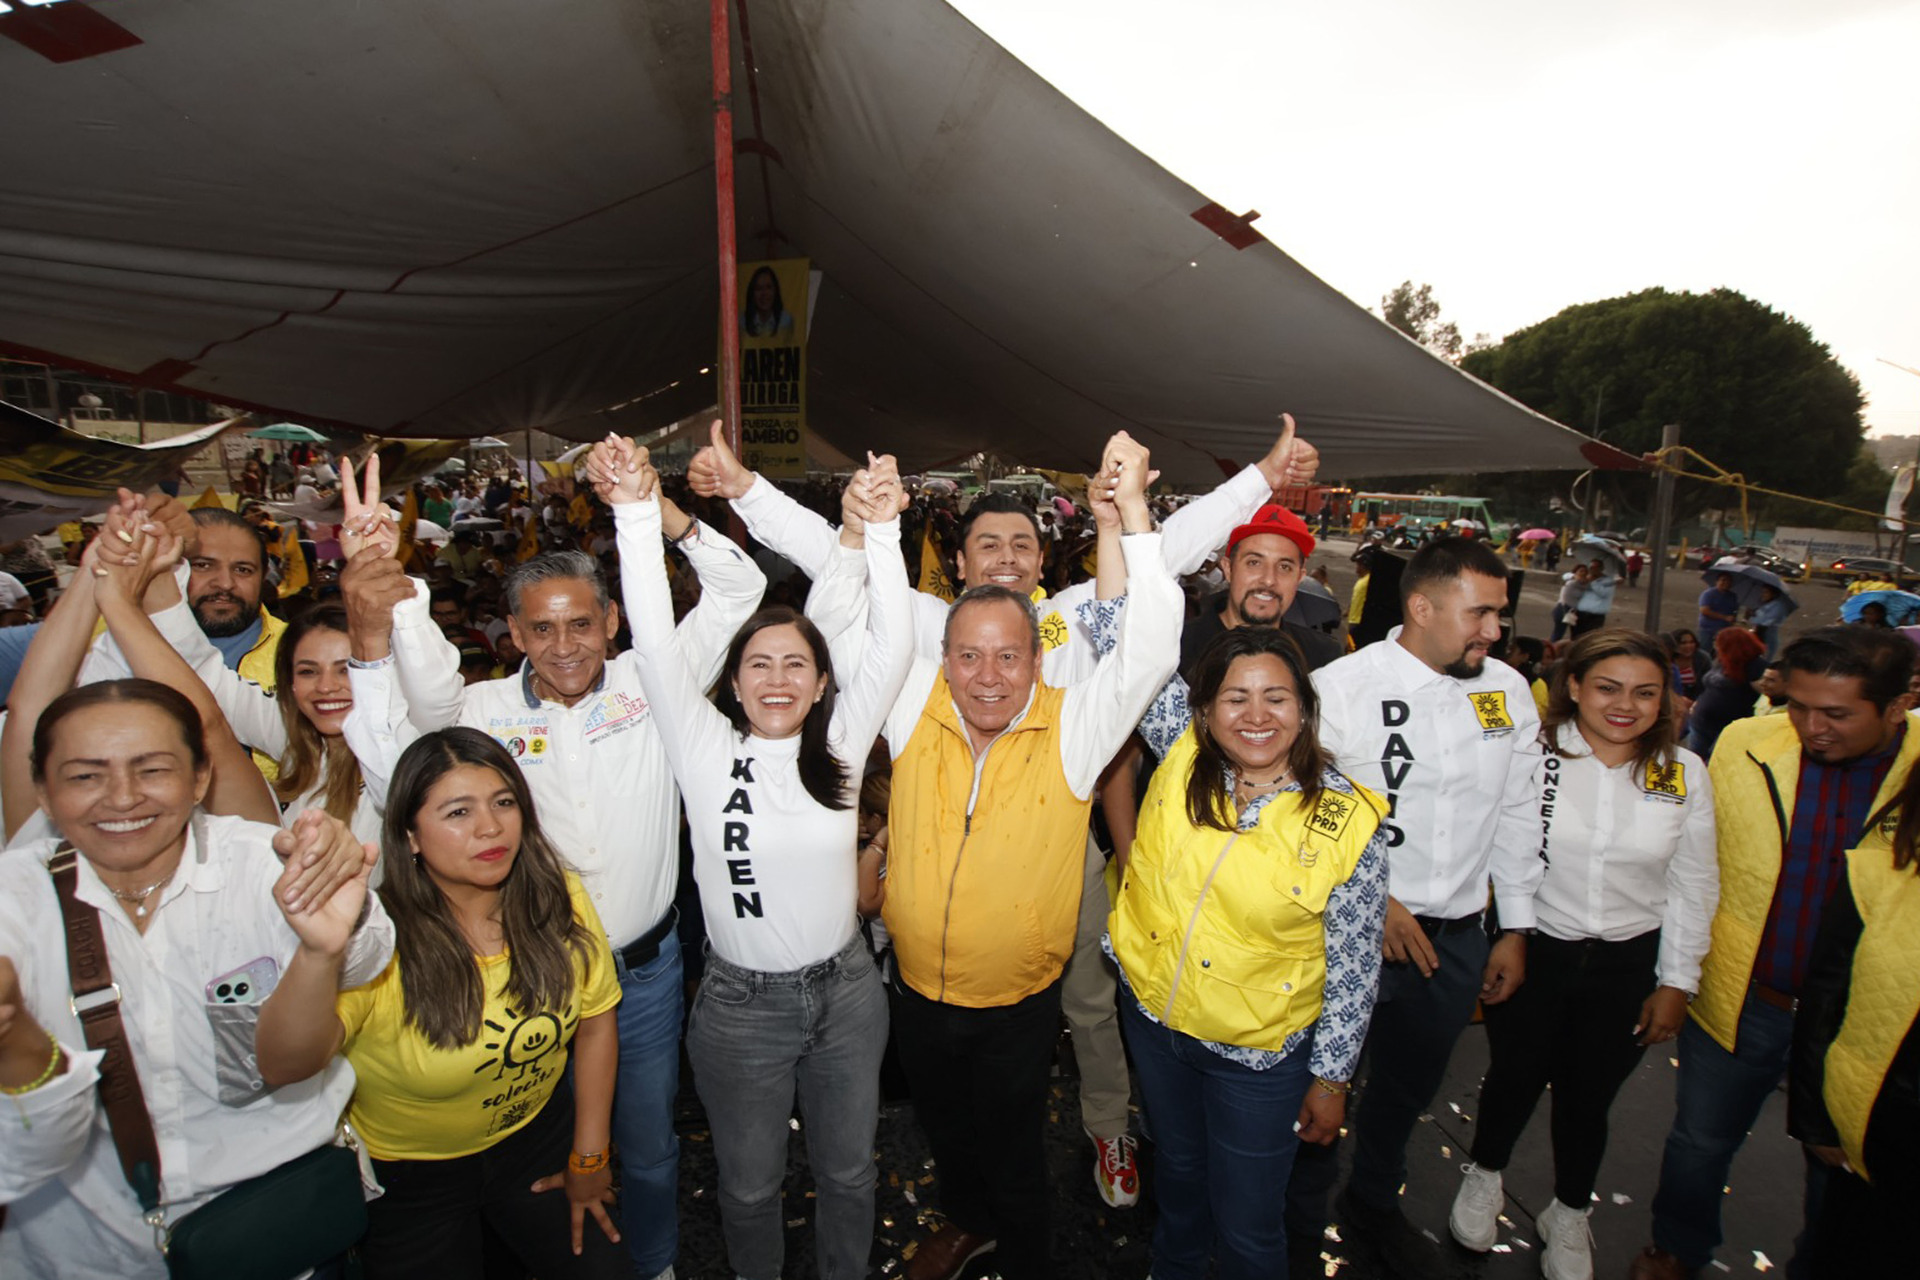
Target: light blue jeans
(754,1039)
(649,1021)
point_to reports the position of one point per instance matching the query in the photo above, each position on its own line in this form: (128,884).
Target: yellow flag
(933,577)
(529,541)
(293,561)
(211,498)
(409,521)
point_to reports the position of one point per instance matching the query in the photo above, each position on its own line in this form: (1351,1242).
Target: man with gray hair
(576,721)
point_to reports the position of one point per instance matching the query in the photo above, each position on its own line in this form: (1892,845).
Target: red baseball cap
(1274,518)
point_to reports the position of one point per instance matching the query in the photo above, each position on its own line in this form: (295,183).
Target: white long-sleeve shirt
(1627,850)
(1455,760)
(776,869)
(837,600)
(70,1210)
(598,773)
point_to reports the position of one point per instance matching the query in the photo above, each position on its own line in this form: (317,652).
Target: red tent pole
(723,191)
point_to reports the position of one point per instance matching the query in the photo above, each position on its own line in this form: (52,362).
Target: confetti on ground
(912,1198)
(1524,1244)
(1720,1266)
(1505,1221)
(1674,1062)
(1503,1248)
(1446,1151)
(1333,1233)
(1761,1262)
(1427,1119)
(793,1123)
(1455,1106)
(1619,1198)
(1429,1235)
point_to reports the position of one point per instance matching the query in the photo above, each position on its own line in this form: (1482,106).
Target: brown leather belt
(1778,999)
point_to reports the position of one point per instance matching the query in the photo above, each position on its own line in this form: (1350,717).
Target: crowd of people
(370,902)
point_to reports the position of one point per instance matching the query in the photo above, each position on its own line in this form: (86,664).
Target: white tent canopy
(473,217)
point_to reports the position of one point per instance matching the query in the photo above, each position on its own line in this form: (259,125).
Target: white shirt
(12,593)
(600,780)
(777,870)
(1455,760)
(837,603)
(1628,849)
(71,1212)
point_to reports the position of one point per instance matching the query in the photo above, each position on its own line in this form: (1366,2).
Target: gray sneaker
(1475,1220)
(1568,1237)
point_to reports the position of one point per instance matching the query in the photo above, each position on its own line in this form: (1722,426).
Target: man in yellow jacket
(994,772)
(1793,795)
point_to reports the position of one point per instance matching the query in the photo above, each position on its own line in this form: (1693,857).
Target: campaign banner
(774,314)
(50,474)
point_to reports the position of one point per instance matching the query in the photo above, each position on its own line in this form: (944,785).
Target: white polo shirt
(1455,760)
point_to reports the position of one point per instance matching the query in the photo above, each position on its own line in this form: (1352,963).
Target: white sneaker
(1475,1220)
(1568,1237)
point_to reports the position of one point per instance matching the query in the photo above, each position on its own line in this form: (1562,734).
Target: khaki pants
(1087,995)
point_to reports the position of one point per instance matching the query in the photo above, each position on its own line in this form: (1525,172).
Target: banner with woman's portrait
(773,366)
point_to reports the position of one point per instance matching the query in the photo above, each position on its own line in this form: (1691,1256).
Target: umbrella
(1901,606)
(1538,535)
(476,523)
(1589,546)
(939,484)
(427,531)
(1747,581)
(1468,524)
(488,442)
(1313,605)
(288,431)
(1064,506)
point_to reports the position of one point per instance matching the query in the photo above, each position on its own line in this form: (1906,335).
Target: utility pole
(1662,524)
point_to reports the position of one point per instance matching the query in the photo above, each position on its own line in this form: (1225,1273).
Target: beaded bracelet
(1335,1088)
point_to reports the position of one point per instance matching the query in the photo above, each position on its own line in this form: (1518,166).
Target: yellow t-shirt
(416,1102)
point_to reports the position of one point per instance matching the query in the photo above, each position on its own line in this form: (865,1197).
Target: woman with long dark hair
(462,1044)
(766,314)
(1247,930)
(317,770)
(1624,911)
(790,999)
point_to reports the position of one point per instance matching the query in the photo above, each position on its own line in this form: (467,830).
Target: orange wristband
(577,1163)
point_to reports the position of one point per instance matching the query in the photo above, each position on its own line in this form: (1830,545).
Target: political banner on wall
(774,317)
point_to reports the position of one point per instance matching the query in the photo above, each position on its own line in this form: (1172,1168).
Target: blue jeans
(649,1017)
(753,1038)
(1223,1147)
(1718,1097)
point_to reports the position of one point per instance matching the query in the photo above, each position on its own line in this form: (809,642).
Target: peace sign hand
(368,521)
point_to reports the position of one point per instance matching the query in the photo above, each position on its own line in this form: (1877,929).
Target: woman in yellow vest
(1624,911)
(1247,931)
(1855,1075)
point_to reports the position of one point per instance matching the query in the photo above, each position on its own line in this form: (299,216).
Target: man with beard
(227,571)
(1450,739)
(1265,560)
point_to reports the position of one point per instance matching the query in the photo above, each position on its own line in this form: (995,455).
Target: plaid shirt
(1829,814)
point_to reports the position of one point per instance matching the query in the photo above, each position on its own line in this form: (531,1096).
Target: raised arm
(731,585)
(48,670)
(1103,709)
(1201,527)
(869,692)
(379,727)
(692,729)
(136,555)
(771,516)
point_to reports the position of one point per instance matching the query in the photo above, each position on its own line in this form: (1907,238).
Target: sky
(1522,157)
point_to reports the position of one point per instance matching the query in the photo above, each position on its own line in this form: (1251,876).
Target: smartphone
(251,983)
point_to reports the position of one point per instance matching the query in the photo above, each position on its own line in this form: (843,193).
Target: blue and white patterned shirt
(1356,914)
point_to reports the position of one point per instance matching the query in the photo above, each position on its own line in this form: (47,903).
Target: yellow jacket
(1756,775)
(1882,997)
(257,663)
(983,898)
(1232,949)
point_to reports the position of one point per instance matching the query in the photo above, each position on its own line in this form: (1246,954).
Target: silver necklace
(138,897)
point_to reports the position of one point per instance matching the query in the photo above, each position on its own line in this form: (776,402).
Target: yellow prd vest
(1883,999)
(1756,778)
(982,909)
(1220,933)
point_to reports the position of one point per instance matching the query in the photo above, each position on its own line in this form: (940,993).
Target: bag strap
(96,1002)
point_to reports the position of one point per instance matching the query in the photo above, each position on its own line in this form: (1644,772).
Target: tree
(1415,313)
(1750,387)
